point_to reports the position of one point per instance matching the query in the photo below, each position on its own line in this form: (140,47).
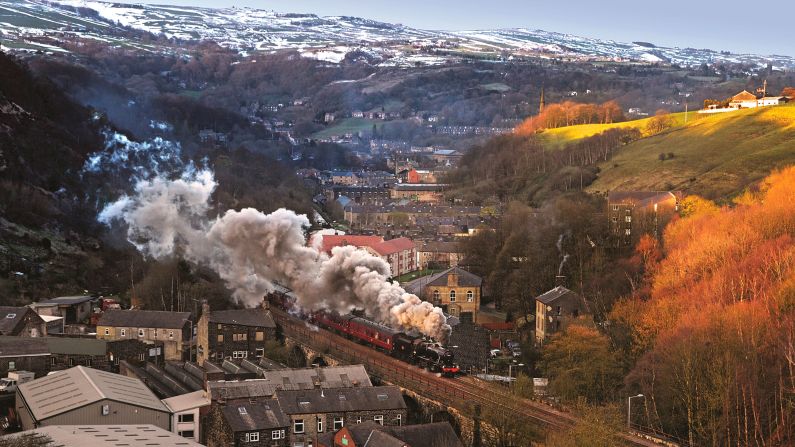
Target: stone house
(24,354)
(439,434)
(74,309)
(399,253)
(455,290)
(21,322)
(438,253)
(172,329)
(235,334)
(556,308)
(311,413)
(634,213)
(250,424)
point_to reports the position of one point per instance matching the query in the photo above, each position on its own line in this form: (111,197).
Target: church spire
(541,103)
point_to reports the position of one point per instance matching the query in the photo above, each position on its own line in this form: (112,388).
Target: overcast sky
(719,25)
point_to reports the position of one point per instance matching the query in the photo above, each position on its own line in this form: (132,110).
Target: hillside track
(463,394)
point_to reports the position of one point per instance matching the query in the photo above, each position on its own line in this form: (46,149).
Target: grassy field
(715,156)
(348,125)
(557,138)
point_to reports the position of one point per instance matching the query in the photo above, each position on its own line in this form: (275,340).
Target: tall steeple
(541,103)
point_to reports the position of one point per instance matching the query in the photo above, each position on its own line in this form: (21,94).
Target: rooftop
(22,346)
(76,346)
(551,296)
(341,400)
(257,317)
(335,240)
(11,317)
(639,198)
(393,246)
(292,379)
(187,401)
(144,319)
(110,435)
(255,416)
(465,279)
(79,386)
(68,300)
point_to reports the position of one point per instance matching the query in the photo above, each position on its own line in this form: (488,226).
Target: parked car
(495,353)
(9,384)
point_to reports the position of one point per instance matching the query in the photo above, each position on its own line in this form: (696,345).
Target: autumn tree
(580,363)
(660,122)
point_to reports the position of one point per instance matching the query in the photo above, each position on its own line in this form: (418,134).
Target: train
(407,347)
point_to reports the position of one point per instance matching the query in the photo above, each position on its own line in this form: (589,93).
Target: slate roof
(292,379)
(22,346)
(144,319)
(336,240)
(465,278)
(76,346)
(553,295)
(255,416)
(257,317)
(371,434)
(110,435)
(68,300)
(12,317)
(639,198)
(341,400)
(79,386)
(744,95)
(440,246)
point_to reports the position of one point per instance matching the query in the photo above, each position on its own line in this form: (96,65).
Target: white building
(185,417)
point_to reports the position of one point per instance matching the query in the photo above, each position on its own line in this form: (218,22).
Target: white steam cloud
(251,250)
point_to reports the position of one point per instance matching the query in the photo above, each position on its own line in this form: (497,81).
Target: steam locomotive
(409,348)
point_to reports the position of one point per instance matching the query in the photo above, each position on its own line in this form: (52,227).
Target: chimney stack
(560,281)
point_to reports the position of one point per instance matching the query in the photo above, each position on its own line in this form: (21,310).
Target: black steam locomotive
(409,348)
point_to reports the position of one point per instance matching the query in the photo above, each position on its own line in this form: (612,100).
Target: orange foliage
(569,113)
(715,335)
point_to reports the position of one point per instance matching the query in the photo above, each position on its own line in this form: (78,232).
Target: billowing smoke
(564,256)
(145,159)
(251,250)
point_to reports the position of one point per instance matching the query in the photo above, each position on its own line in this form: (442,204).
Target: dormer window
(11,316)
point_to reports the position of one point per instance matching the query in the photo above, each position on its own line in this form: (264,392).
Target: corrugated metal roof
(187,401)
(111,435)
(75,387)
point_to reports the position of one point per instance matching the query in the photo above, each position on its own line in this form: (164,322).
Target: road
(462,393)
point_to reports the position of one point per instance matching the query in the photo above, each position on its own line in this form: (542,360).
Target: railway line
(463,394)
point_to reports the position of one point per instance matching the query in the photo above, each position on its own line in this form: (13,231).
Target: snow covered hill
(331,38)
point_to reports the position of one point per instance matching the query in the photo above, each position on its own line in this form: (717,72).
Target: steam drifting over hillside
(251,250)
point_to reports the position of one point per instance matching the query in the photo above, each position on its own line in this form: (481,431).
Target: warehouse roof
(76,387)
(144,319)
(109,435)
(291,379)
(77,346)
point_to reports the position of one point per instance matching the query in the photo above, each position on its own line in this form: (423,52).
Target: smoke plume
(564,256)
(251,250)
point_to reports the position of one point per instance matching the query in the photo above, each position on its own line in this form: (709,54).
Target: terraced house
(235,334)
(172,329)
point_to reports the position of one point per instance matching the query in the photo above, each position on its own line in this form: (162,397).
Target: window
(107,331)
(252,436)
(88,363)
(452,296)
(240,354)
(260,352)
(470,296)
(615,207)
(140,332)
(242,410)
(220,338)
(627,218)
(170,334)
(436,295)
(319,425)
(277,434)
(627,231)
(53,362)
(71,362)
(379,419)
(124,332)
(298,426)
(239,337)
(154,333)
(358,419)
(260,336)
(187,434)
(339,422)
(13,365)
(187,417)
(105,410)
(400,419)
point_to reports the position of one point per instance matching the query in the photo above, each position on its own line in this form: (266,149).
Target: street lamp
(629,409)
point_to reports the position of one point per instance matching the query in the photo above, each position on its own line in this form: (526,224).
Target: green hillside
(559,137)
(714,156)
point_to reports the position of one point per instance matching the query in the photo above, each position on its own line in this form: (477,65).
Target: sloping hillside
(714,156)
(557,138)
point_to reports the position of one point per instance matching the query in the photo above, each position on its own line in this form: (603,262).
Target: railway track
(463,394)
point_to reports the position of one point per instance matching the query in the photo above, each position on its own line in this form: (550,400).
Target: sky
(726,25)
